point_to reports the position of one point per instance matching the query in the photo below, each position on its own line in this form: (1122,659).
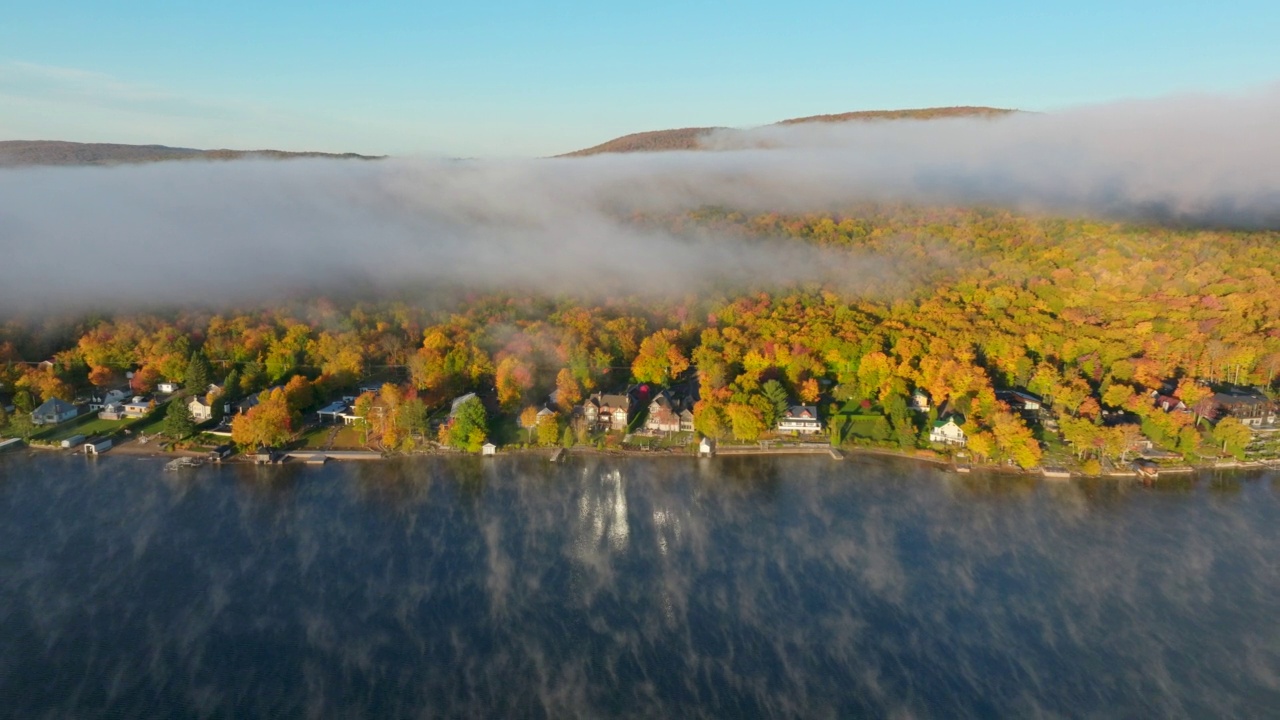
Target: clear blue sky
(523,78)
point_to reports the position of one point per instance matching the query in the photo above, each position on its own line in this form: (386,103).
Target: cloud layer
(210,232)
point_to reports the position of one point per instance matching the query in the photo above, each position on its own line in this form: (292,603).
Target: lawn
(87,425)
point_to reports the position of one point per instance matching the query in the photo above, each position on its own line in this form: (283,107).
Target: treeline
(1090,315)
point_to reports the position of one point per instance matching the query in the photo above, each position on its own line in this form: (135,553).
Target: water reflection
(742,588)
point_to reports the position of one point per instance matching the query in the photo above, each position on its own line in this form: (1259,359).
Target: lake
(734,587)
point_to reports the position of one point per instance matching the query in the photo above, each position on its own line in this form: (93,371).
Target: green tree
(779,401)
(470,426)
(1233,435)
(231,386)
(178,423)
(198,374)
(20,426)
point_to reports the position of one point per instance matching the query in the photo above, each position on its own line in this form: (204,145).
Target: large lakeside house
(801,419)
(946,431)
(607,411)
(670,412)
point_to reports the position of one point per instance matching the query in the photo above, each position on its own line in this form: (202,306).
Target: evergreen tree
(231,386)
(178,423)
(198,374)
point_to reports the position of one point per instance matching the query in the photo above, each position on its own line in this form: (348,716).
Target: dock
(312,457)
(11,444)
(558,455)
(182,463)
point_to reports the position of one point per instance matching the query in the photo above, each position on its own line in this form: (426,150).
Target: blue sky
(521,78)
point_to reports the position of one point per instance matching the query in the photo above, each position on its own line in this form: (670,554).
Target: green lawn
(349,438)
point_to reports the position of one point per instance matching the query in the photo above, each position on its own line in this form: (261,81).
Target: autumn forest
(1095,318)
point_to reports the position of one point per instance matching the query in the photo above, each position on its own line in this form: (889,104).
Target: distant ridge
(688,138)
(56,152)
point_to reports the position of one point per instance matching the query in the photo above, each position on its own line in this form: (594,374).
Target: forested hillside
(15,153)
(1091,316)
(691,138)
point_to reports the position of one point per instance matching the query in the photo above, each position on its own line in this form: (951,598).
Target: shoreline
(309,456)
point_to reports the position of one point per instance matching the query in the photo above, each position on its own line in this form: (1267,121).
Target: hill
(53,152)
(689,138)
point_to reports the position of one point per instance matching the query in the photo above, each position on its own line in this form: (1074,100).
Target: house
(213,389)
(248,403)
(168,388)
(53,411)
(1167,403)
(609,412)
(100,400)
(139,407)
(1020,400)
(489,449)
(664,414)
(686,420)
(946,431)
(1251,408)
(201,409)
(112,411)
(97,445)
(920,401)
(801,419)
(333,411)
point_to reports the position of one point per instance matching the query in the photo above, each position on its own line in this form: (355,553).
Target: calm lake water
(736,588)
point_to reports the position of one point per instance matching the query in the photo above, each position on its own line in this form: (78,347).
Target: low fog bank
(204,232)
(217,232)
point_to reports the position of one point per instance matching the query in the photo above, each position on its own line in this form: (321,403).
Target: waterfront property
(802,419)
(606,411)
(53,411)
(201,409)
(946,431)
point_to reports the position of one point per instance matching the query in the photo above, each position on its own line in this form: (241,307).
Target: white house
(801,419)
(201,410)
(98,402)
(53,411)
(168,388)
(139,407)
(946,431)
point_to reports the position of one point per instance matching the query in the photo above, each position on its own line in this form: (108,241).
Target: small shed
(264,456)
(707,447)
(488,449)
(72,441)
(220,453)
(97,446)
